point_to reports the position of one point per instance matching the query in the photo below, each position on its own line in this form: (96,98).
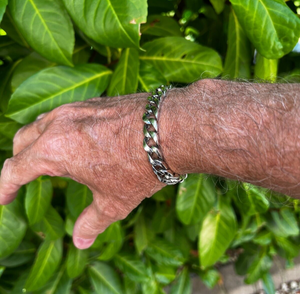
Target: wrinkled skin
(97,143)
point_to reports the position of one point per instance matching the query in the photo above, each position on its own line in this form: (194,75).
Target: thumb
(89,225)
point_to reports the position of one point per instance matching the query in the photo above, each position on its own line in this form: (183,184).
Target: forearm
(243,131)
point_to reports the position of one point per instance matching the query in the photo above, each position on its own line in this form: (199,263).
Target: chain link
(150,118)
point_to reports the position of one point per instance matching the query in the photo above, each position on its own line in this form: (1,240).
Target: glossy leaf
(105,279)
(238,57)
(3,4)
(290,248)
(180,60)
(10,27)
(112,238)
(266,69)
(76,261)
(125,77)
(143,233)
(59,283)
(150,78)
(30,65)
(283,223)
(38,94)
(268,283)
(131,266)
(260,266)
(165,253)
(196,196)
(218,230)
(9,48)
(47,260)
(12,227)
(164,274)
(78,198)
(270,25)
(163,218)
(2,269)
(23,254)
(109,22)
(182,284)
(8,127)
(130,287)
(6,74)
(38,198)
(251,199)
(161,26)
(51,225)
(218,5)
(210,277)
(47,19)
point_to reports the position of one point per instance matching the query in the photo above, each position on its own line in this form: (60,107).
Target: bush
(60,51)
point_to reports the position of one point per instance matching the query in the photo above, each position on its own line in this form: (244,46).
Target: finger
(28,134)
(19,170)
(92,221)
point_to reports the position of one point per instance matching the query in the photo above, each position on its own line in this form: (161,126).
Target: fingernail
(81,243)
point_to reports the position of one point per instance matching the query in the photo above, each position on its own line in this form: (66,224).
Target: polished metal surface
(151,145)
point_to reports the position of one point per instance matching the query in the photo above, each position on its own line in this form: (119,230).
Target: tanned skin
(244,131)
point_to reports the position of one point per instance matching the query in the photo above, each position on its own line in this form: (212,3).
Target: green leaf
(82,52)
(3,4)
(268,283)
(59,283)
(251,199)
(164,274)
(131,266)
(78,198)
(23,254)
(9,48)
(38,95)
(130,287)
(266,69)
(290,249)
(29,66)
(182,284)
(180,60)
(2,269)
(260,266)
(263,238)
(165,253)
(6,74)
(243,262)
(112,23)
(125,77)
(238,57)
(8,127)
(196,196)
(12,227)
(47,260)
(218,5)
(112,238)
(163,218)
(278,26)
(165,193)
(149,79)
(210,278)
(76,261)
(218,230)
(69,224)
(104,279)
(283,223)
(51,225)
(38,199)
(9,26)
(49,20)
(143,233)
(161,26)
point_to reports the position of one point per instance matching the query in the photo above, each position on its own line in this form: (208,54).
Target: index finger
(19,170)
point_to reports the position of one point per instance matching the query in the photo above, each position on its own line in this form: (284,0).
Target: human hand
(98,143)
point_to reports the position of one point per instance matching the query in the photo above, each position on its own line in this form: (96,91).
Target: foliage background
(59,51)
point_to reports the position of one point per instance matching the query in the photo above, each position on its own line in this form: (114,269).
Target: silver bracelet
(150,118)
